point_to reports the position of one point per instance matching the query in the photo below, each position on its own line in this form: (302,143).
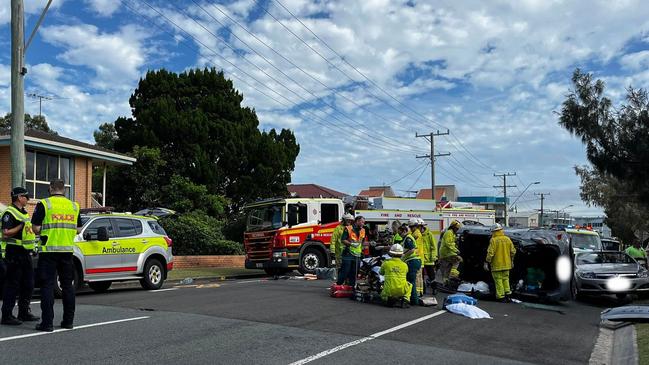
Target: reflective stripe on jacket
(500,252)
(354,238)
(28,239)
(414,255)
(60,224)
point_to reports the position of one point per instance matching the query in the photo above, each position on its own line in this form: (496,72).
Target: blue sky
(492,72)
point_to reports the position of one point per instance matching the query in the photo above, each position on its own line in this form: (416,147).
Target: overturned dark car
(534,275)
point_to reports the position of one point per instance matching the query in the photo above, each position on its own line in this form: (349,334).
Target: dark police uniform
(19,279)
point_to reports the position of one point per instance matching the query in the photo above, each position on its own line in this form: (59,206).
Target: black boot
(28,317)
(67,325)
(41,327)
(11,321)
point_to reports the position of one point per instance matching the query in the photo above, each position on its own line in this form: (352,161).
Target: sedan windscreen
(604,258)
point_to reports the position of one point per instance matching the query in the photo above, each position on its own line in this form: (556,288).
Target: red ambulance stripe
(111,269)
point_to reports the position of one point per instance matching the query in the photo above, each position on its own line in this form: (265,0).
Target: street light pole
(524,190)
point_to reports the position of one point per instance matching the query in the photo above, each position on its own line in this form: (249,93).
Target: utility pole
(431,138)
(40,101)
(542,195)
(18,72)
(505,186)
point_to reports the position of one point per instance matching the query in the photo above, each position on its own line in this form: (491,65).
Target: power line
(505,186)
(342,95)
(362,75)
(419,177)
(421,166)
(351,132)
(431,138)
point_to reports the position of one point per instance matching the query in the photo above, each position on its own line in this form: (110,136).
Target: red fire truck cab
(287,234)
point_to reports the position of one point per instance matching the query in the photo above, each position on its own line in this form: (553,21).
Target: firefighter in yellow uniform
(414,224)
(336,246)
(449,254)
(500,254)
(395,286)
(56,219)
(412,259)
(430,255)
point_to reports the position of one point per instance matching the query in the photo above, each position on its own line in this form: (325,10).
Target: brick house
(50,156)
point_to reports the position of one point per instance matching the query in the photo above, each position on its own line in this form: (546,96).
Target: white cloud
(104,8)
(635,61)
(32,7)
(116,58)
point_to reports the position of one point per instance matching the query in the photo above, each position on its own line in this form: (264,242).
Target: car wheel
(100,286)
(310,260)
(153,275)
(76,284)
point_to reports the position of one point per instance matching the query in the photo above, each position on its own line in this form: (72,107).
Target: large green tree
(617,139)
(196,120)
(624,215)
(617,146)
(36,122)
(106,136)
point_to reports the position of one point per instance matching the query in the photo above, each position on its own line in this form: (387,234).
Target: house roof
(54,143)
(377,191)
(313,191)
(425,193)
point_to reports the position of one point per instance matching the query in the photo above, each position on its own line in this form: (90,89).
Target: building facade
(49,156)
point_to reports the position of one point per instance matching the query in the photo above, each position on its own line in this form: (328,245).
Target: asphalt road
(285,321)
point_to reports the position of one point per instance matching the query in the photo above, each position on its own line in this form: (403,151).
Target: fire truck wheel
(311,259)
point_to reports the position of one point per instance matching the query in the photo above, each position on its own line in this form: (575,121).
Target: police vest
(353,237)
(413,255)
(28,237)
(60,224)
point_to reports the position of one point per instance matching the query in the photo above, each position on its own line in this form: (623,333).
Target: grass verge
(200,272)
(642,331)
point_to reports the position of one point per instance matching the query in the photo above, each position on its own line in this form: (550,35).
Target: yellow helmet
(455,223)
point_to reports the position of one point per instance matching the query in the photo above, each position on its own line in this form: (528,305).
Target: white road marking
(74,329)
(159,290)
(365,339)
(35,302)
(249,281)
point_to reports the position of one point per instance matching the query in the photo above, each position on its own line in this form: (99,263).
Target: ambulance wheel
(310,260)
(76,284)
(100,286)
(153,275)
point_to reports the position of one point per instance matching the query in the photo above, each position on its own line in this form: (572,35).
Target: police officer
(18,240)
(57,220)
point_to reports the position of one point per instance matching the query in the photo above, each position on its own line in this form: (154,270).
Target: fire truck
(294,233)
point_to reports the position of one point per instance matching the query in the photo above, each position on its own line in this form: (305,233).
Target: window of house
(41,168)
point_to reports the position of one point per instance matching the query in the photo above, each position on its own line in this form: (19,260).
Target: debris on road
(186,281)
(468,310)
(551,308)
(480,286)
(629,313)
(460,298)
(325,273)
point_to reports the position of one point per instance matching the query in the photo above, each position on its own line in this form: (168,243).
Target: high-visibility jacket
(500,252)
(336,245)
(397,238)
(28,239)
(415,253)
(636,253)
(356,238)
(60,224)
(430,247)
(448,247)
(395,285)
(419,239)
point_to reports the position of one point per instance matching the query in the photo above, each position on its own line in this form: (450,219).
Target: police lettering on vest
(60,224)
(28,239)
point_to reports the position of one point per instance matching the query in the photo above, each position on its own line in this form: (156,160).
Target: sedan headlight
(586,275)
